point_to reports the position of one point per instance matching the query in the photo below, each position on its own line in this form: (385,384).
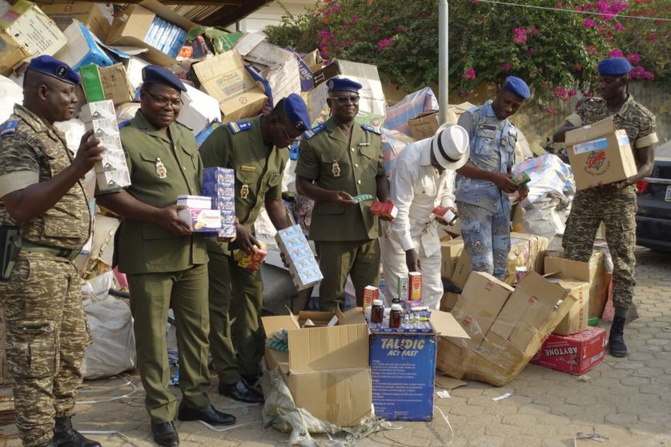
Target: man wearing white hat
(422,179)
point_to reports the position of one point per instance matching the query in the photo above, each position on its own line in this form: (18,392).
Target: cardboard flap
(277,323)
(446,326)
(590,131)
(328,348)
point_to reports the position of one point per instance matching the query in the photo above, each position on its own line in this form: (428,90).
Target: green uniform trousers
(47,333)
(359,259)
(228,280)
(151,295)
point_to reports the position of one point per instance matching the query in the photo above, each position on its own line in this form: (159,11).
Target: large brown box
(424,125)
(115,84)
(89,13)
(600,154)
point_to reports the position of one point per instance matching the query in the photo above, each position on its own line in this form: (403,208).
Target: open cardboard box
(600,154)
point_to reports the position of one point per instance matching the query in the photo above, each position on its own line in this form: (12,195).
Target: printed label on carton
(589,146)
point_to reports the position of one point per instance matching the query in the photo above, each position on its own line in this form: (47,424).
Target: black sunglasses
(354,99)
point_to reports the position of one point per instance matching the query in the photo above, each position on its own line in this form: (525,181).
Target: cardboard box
(480,302)
(450,252)
(11,53)
(224,78)
(131,28)
(201,221)
(461,269)
(578,315)
(36,33)
(600,154)
(424,125)
(116,86)
(82,48)
(199,110)
(529,315)
(198,202)
(592,272)
(403,367)
(326,368)
(448,301)
(275,68)
(63,12)
(526,250)
(575,354)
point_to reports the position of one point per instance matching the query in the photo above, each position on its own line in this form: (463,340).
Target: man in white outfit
(422,179)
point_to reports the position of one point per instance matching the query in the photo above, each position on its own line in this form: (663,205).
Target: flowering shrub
(556,52)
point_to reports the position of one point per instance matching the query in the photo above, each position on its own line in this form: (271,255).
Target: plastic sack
(113,348)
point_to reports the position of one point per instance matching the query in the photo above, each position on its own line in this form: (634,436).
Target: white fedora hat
(450,145)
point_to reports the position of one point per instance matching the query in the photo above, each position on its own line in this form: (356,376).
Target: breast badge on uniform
(161,171)
(335,169)
(9,127)
(244,191)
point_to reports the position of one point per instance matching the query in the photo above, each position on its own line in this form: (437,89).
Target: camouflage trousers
(486,237)
(617,210)
(47,333)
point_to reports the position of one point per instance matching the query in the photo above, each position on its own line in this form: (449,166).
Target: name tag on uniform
(363,144)
(248,168)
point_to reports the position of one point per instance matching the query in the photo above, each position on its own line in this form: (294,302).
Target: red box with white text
(575,354)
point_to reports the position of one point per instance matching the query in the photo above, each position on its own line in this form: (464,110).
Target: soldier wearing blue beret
(338,161)
(613,204)
(166,264)
(483,184)
(41,197)
(256,149)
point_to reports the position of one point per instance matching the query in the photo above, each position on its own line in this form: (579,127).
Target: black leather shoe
(210,415)
(66,436)
(242,392)
(165,434)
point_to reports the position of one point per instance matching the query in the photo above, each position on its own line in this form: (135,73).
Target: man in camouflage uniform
(165,263)
(483,184)
(339,160)
(613,204)
(41,193)
(257,150)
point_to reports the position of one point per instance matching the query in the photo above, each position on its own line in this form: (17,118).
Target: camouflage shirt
(31,152)
(636,120)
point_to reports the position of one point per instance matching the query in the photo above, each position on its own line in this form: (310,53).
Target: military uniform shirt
(492,144)
(336,164)
(636,120)
(31,152)
(259,168)
(146,247)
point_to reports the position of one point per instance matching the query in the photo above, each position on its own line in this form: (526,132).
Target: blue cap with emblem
(154,74)
(297,112)
(51,66)
(517,86)
(615,66)
(343,84)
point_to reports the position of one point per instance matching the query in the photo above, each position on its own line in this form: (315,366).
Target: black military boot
(48,444)
(66,436)
(616,344)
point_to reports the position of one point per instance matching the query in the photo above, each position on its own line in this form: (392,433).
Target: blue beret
(615,66)
(156,74)
(297,112)
(517,86)
(51,66)
(343,84)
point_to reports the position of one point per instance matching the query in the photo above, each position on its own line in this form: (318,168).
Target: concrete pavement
(627,401)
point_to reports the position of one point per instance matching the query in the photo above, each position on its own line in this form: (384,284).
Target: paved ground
(627,401)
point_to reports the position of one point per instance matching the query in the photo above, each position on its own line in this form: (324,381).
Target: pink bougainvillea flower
(469,74)
(551,111)
(615,53)
(384,43)
(355,18)
(530,52)
(633,58)
(588,23)
(506,66)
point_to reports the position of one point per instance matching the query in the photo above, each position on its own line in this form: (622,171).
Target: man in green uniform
(166,264)
(338,161)
(41,193)
(256,150)
(613,204)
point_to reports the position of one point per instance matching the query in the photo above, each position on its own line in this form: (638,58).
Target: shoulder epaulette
(314,131)
(239,126)
(123,124)
(9,127)
(370,128)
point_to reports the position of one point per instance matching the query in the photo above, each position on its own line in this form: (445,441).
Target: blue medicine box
(403,368)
